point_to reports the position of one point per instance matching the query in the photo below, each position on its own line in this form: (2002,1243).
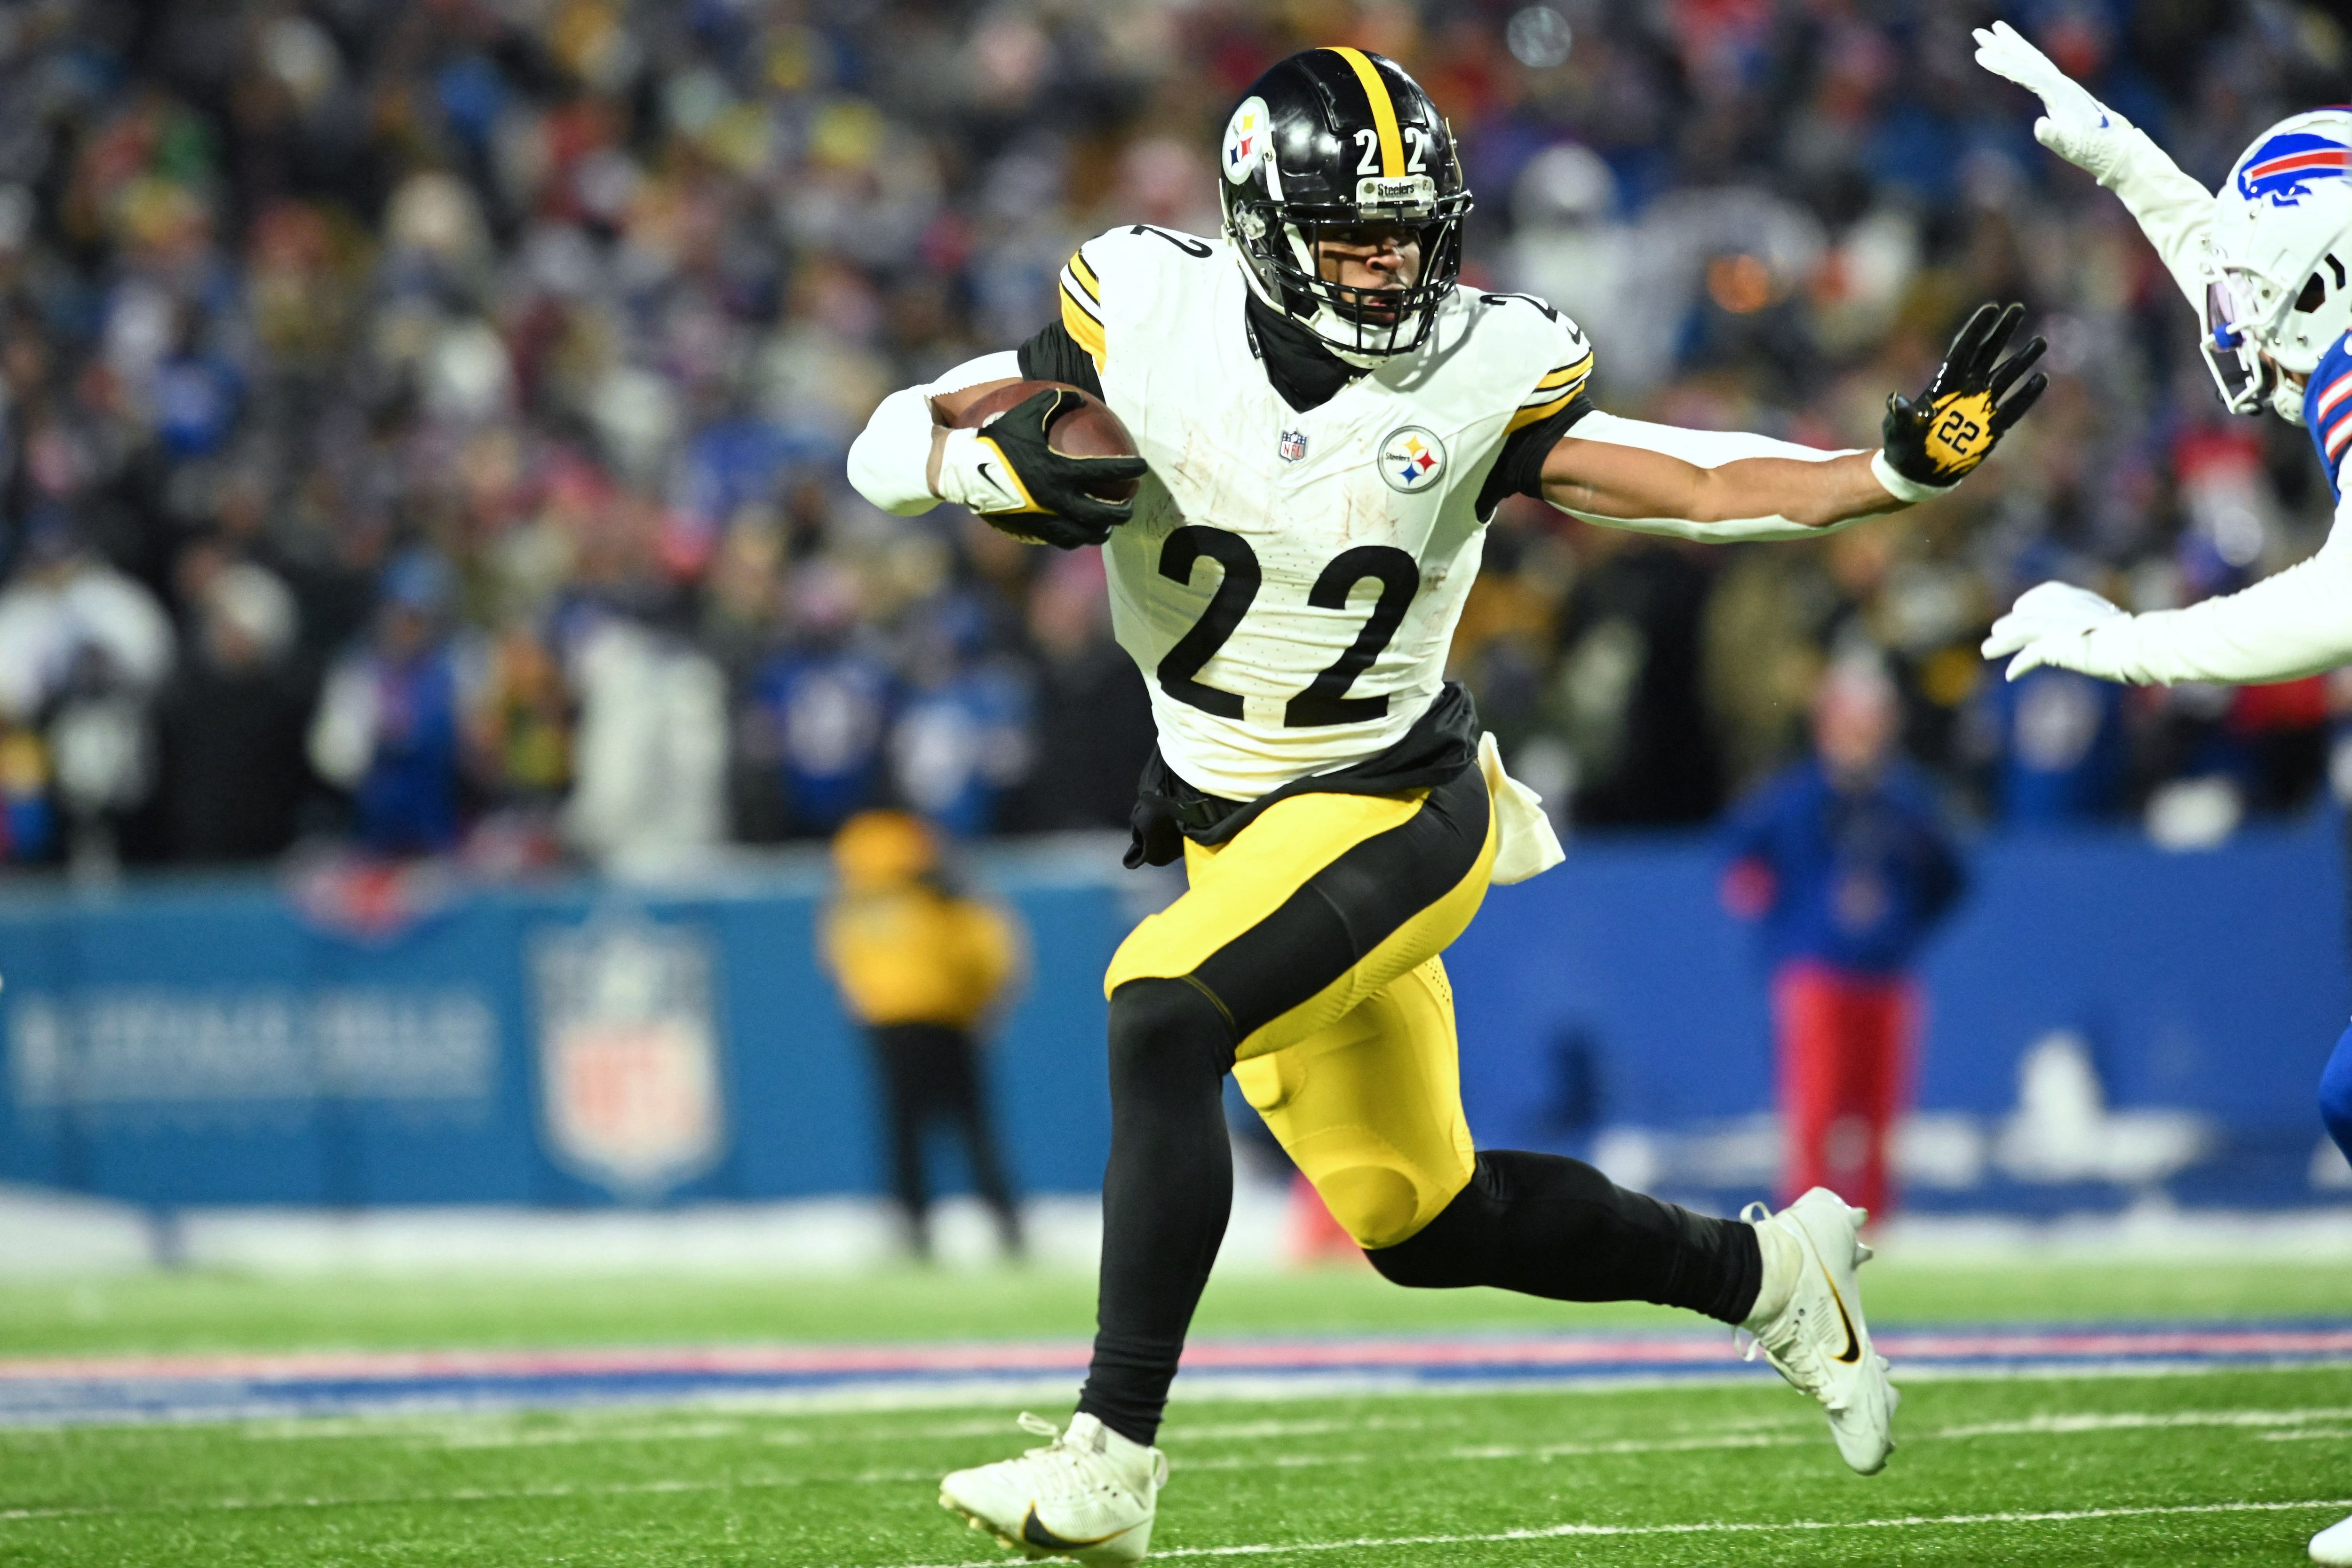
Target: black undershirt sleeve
(1053,355)
(1519,470)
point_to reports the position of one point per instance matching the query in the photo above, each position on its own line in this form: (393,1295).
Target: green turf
(732,1486)
(735,1484)
(218,1311)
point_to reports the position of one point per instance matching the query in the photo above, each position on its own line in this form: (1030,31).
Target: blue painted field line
(59,1391)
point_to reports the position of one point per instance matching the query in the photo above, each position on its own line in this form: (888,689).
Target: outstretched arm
(2295,623)
(1697,483)
(2174,210)
(1723,488)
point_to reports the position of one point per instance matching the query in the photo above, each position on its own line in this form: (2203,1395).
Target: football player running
(1325,423)
(2263,262)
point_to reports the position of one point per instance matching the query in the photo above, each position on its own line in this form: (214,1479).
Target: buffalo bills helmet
(2277,295)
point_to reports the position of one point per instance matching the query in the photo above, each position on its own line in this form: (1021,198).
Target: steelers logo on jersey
(1411,459)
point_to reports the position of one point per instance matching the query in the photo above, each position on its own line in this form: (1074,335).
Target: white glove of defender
(2174,210)
(2064,627)
(2074,125)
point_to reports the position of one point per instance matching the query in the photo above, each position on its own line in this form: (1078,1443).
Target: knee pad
(1377,1206)
(2335,1094)
(1380,1197)
(1160,1026)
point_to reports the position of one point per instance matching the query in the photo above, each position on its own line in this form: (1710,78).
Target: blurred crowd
(421,421)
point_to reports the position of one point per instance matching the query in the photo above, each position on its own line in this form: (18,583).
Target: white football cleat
(1088,1495)
(2333,1545)
(1819,1341)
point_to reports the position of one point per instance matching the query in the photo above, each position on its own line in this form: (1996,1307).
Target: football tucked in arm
(1085,428)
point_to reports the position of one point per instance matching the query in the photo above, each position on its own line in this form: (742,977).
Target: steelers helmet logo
(1247,137)
(1411,459)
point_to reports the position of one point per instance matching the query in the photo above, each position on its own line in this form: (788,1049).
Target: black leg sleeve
(1557,1227)
(903,1093)
(967,1102)
(1167,1195)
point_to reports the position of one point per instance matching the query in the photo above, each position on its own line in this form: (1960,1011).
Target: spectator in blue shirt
(1843,861)
(389,724)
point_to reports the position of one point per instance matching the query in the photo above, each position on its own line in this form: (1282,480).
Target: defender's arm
(2298,622)
(2174,210)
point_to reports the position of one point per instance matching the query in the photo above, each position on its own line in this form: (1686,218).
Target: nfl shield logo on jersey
(629,1055)
(1411,459)
(1294,445)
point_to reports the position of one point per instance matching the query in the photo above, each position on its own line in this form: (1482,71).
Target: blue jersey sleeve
(2327,411)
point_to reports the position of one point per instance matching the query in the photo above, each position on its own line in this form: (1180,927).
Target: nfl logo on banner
(629,1055)
(1294,445)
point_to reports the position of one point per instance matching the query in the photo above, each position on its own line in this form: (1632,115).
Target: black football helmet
(1332,139)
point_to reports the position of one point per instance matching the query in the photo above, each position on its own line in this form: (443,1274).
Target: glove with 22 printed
(2064,627)
(1009,473)
(1935,443)
(2074,125)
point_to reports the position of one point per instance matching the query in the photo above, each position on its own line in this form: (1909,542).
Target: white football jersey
(1290,582)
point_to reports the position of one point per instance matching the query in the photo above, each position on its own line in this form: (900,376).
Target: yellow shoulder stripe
(1085,276)
(1566,373)
(1537,414)
(1083,327)
(1384,118)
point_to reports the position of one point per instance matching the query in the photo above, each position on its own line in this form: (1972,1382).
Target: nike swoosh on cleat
(1033,1531)
(1853,1351)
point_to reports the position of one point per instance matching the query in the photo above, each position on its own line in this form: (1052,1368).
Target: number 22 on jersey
(1325,700)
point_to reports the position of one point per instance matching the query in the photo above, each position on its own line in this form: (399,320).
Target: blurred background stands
(415,417)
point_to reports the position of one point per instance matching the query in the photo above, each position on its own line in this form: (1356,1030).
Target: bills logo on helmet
(2283,167)
(1245,139)
(1411,459)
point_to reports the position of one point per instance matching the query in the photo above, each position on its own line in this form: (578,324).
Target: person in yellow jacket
(921,964)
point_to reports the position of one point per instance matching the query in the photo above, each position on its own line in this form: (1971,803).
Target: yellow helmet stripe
(1384,118)
(1085,274)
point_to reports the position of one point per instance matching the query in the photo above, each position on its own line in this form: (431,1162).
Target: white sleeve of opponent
(890,463)
(2174,210)
(1704,449)
(2298,622)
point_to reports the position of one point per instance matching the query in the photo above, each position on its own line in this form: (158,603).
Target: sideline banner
(2107,1024)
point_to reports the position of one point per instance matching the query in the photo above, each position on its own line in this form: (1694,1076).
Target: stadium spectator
(1843,860)
(585,300)
(83,650)
(389,725)
(651,752)
(232,723)
(921,964)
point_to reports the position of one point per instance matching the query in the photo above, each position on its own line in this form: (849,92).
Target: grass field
(2220,1467)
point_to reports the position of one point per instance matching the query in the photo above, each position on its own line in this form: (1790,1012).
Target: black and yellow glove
(1935,443)
(1010,474)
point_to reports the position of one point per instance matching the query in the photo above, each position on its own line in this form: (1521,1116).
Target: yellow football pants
(1317,931)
